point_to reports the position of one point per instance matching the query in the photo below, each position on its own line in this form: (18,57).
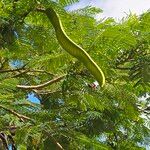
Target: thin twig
(10,70)
(28,70)
(42,71)
(54,141)
(3,62)
(122,68)
(19,74)
(27,104)
(4,140)
(46,92)
(40,9)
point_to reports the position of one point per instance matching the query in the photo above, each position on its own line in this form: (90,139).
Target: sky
(115,8)
(32,98)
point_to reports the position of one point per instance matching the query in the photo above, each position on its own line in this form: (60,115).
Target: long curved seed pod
(73,49)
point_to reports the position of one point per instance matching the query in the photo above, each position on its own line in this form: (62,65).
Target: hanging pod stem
(72,48)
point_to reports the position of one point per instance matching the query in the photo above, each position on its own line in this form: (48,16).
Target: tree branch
(41,85)
(22,117)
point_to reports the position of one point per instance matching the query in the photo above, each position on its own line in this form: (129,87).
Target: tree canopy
(73,112)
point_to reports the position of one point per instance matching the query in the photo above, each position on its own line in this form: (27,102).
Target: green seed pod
(73,49)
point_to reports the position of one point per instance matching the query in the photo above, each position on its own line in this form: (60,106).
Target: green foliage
(72,113)
(67,2)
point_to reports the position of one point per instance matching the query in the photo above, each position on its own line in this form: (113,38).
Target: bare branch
(22,117)
(41,85)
